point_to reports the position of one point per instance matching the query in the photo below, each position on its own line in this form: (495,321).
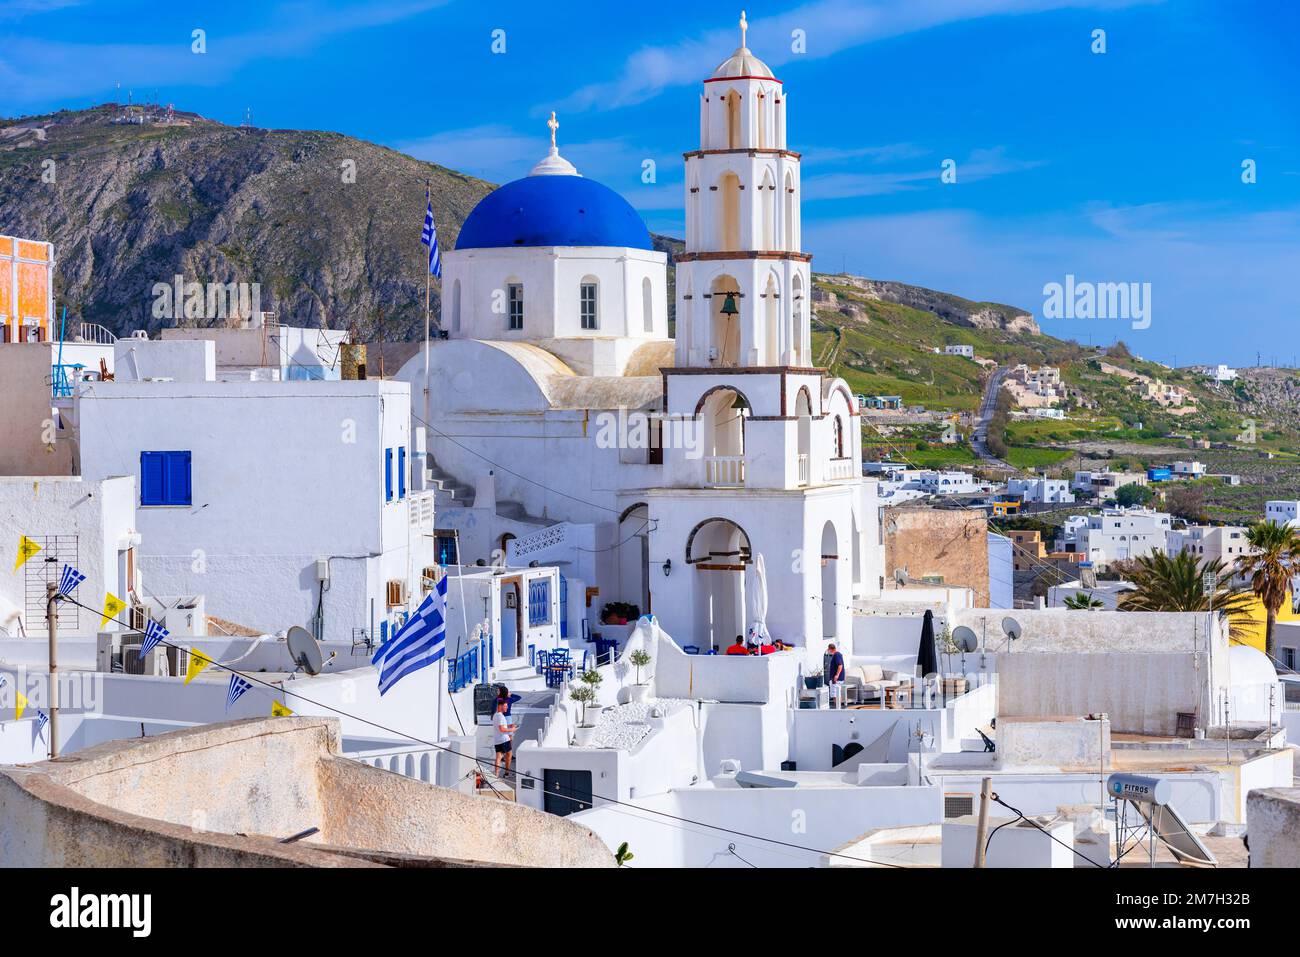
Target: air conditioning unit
(713,353)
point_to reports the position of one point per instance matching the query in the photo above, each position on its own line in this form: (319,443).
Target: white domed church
(565,426)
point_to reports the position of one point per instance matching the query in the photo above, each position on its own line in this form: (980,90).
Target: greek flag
(418,643)
(236,690)
(42,719)
(430,237)
(69,580)
(153,633)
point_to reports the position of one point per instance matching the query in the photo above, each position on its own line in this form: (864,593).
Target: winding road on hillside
(989,404)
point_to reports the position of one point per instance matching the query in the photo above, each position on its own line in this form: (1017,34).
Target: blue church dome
(549,210)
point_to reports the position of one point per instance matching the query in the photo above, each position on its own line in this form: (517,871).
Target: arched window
(729,222)
(648,304)
(789,233)
(589,303)
(733,120)
(767,200)
(838,437)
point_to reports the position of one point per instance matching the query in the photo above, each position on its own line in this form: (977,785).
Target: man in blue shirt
(835,674)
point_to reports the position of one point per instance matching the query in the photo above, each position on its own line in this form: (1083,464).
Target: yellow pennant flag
(20,704)
(26,549)
(278,710)
(112,608)
(198,661)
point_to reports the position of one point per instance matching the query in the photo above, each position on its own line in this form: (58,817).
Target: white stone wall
(283,474)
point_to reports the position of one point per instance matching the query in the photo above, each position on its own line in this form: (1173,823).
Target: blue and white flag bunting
(420,642)
(69,580)
(153,633)
(237,688)
(429,237)
(42,719)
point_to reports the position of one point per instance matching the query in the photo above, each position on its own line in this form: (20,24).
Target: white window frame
(589,322)
(514,306)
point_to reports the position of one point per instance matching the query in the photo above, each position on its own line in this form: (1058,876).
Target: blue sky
(1123,166)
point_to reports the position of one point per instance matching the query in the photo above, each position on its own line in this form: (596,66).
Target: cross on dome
(744,26)
(554,164)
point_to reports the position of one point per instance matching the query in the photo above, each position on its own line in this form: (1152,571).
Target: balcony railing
(724,471)
(839,469)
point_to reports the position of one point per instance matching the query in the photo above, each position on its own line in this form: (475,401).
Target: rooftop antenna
(1012,629)
(304,650)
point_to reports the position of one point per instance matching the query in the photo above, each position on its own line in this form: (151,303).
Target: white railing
(803,470)
(724,470)
(421,764)
(839,469)
(93,332)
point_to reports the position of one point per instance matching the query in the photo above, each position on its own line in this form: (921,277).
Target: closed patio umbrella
(927,660)
(758,632)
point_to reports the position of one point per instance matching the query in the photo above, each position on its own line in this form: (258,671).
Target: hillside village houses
(1116,533)
(596,497)
(1282,512)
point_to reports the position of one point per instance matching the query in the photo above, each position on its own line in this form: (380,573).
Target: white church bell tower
(742,283)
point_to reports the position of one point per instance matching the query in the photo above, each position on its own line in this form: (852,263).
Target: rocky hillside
(950,308)
(132,204)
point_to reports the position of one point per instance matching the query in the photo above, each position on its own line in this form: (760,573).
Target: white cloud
(829,25)
(39,70)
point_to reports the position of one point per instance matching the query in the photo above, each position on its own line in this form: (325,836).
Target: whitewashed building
(89,524)
(1118,533)
(283,502)
(1041,490)
(1282,512)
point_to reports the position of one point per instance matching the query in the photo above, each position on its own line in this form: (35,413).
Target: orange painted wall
(25,267)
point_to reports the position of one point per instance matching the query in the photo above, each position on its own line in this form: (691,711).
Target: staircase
(449,490)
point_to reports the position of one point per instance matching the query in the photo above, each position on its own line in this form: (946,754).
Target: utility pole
(981,832)
(52,620)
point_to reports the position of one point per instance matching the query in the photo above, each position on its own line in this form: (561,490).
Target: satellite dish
(965,639)
(900,576)
(304,650)
(1012,628)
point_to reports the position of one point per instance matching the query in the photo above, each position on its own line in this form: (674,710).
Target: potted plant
(619,613)
(813,680)
(592,679)
(584,695)
(639,659)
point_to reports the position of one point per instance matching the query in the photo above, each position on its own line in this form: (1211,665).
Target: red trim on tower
(728,79)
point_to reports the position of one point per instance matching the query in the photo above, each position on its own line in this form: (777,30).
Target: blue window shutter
(564,607)
(388,475)
(177,481)
(151,477)
(401,472)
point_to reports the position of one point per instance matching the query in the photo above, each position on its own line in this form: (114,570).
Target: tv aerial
(304,650)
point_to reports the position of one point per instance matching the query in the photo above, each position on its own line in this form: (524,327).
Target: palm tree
(1083,601)
(1161,583)
(1270,567)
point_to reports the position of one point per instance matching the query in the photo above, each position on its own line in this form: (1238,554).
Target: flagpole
(428,284)
(52,621)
